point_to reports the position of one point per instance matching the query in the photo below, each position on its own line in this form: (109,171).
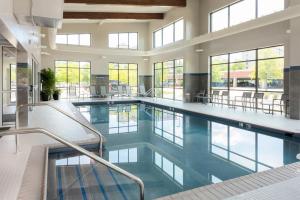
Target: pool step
(92,182)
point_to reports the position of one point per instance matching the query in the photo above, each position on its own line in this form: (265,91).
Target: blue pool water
(173,152)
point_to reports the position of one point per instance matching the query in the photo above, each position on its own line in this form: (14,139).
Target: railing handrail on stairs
(81,150)
(64,113)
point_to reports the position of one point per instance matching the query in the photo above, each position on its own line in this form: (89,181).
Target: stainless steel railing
(81,150)
(62,112)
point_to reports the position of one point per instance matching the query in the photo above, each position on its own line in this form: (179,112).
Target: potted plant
(48,83)
(56,94)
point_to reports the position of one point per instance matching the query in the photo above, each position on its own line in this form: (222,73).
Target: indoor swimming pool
(170,151)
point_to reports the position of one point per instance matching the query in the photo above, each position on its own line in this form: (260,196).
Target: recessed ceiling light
(288,31)
(103,57)
(146,59)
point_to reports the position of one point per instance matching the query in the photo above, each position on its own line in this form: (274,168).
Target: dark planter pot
(44,97)
(56,96)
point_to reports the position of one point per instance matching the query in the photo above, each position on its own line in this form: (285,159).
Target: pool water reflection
(172,152)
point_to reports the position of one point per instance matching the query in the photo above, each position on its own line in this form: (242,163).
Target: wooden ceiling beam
(179,3)
(112,15)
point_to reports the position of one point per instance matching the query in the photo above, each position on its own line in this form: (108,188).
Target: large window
(259,70)
(123,40)
(169,34)
(168,79)
(13,82)
(243,11)
(254,151)
(73,78)
(74,39)
(124,75)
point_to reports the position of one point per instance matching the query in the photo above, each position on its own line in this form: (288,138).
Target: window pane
(123,40)
(270,74)
(73,76)
(133,66)
(242,77)
(61,39)
(242,11)
(61,64)
(219,76)
(85,65)
(61,77)
(85,39)
(219,20)
(158,38)
(266,7)
(219,59)
(168,34)
(113,40)
(158,78)
(272,52)
(113,77)
(85,77)
(133,78)
(179,30)
(73,64)
(73,39)
(123,77)
(133,41)
(243,56)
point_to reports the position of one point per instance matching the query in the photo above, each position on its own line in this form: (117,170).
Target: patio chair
(245,99)
(142,91)
(215,96)
(225,96)
(200,95)
(128,91)
(258,98)
(121,91)
(93,91)
(282,103)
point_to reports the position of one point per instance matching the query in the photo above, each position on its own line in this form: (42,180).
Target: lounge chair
(121,91)
(142,91)
(128,91)
(104,93)
(93,91)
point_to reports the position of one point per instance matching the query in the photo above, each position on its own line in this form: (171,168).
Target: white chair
(93,91)
(104,93)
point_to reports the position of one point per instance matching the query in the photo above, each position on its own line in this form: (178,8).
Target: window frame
(162,34)
(256,60)
(128,48)
(128,70)
(67,74)
(228,7)
(67,34)
(174,78)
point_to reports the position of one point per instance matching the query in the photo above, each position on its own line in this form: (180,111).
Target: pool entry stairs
(88,181)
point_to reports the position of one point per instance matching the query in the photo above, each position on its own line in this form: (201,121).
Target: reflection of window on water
(254,151)
(76,160)
(169,125)
(175,172)
(123,156)
(123,119)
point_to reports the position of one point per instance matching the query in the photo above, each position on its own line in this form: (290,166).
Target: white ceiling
(112,8)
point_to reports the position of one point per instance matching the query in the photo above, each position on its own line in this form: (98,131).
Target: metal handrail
(81,150)
(64,113)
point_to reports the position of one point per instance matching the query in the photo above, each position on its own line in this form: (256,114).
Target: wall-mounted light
(199,50)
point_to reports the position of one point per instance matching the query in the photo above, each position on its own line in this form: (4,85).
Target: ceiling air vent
(43,13)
